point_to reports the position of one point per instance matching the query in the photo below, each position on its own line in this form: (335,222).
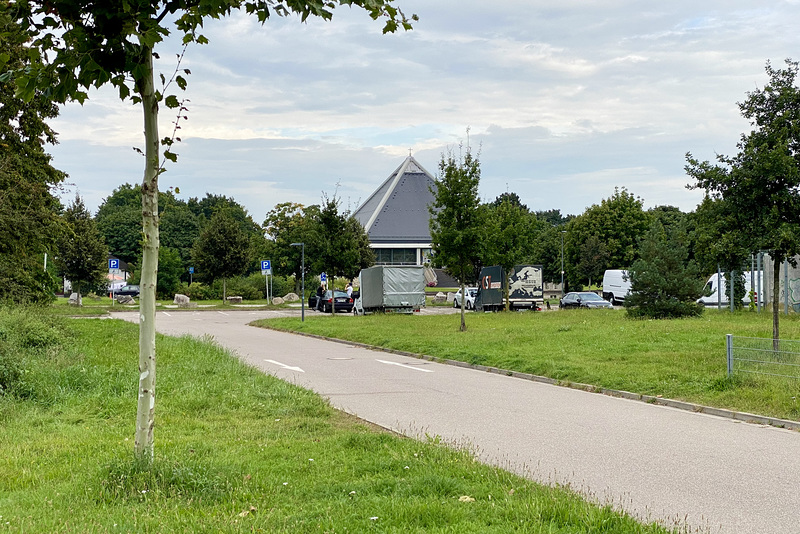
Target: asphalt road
(658,463)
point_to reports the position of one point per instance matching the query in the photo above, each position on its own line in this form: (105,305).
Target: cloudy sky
(566,100)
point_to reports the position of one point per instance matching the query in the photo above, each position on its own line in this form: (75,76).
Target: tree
(222,249)
(338,244)
(457,217)
(28,210)
(76,45)
(179,229)
(663,284)
(82,253)
(511,198)
(170,269)
(122,230)
(617,222)
(758,189)
(285,224)
(508,235)
(593,259)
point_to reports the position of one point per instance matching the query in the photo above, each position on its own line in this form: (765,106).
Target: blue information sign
(266,265)
(113,263)
(191,270)
(323,277)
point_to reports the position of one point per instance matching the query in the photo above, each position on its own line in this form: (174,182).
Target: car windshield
(338,294)
(590,296)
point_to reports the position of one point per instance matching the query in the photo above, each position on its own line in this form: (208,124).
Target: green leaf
(172,102)
(4,58)
(171,156)
(181,81)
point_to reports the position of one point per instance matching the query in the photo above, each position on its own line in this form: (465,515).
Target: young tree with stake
(78,44)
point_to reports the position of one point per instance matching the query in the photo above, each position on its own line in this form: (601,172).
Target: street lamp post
(303,279)
(562,262)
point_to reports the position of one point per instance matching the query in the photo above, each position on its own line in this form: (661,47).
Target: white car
(469,303)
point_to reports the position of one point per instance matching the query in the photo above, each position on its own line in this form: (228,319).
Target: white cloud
(568,99)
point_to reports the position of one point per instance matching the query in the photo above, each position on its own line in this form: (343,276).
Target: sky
(564,102)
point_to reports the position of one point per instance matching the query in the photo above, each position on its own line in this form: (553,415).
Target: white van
(616,285)
(714,285)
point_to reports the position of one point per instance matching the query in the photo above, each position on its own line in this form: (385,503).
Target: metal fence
(763,356)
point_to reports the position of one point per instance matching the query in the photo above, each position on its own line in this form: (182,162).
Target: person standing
(349,290)
(320,293)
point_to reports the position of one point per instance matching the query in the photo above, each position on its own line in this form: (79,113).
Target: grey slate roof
(397,212)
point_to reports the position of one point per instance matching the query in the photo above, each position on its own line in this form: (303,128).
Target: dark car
(583,299)
(336,299)
(133,291)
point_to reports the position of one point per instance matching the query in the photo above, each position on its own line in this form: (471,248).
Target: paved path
(656,462)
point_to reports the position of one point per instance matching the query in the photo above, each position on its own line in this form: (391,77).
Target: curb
(650,399)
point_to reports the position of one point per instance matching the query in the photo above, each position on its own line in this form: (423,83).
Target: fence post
(729,346)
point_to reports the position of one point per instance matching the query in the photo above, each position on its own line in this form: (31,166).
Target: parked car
(133,291)
(469,302)
(336,299)
(584,299)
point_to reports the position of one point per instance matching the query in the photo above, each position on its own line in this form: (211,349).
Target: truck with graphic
(524,283)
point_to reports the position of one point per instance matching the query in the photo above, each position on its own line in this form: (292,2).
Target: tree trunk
(463,303)
(776,280)
(145,412)
(224,290)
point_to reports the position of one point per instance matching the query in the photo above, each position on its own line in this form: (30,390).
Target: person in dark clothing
(320,292)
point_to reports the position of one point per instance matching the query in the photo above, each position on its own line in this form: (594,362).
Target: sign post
(266,270)
(113,268)
(191,272)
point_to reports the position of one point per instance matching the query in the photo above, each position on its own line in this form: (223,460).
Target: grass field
(679,359)
(236,451)
(103,305)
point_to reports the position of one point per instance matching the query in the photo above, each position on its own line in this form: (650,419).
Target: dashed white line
(406,366)
(289,367)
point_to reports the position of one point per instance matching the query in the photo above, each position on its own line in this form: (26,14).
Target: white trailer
(390,288)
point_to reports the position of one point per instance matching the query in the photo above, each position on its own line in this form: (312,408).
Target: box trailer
(390,288)
(525,288)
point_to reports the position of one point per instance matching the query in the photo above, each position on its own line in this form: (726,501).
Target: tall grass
(236,451)
(681,359)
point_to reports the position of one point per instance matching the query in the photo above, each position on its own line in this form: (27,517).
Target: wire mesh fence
(763,356)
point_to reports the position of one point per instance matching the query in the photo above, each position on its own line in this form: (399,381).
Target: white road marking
(167,314)
(223,313)
(289,367)
(406,366)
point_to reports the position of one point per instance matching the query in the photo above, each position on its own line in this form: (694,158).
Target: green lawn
(679,359)
(236,451)
(103,305)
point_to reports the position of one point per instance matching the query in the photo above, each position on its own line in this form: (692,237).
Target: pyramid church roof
(397,212)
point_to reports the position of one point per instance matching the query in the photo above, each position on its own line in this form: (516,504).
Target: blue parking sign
(113,263)
(266,265)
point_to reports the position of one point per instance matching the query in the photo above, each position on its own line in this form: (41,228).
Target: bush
(249,288)
(196,291)
(10,368)
(24,333)
(663,284)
